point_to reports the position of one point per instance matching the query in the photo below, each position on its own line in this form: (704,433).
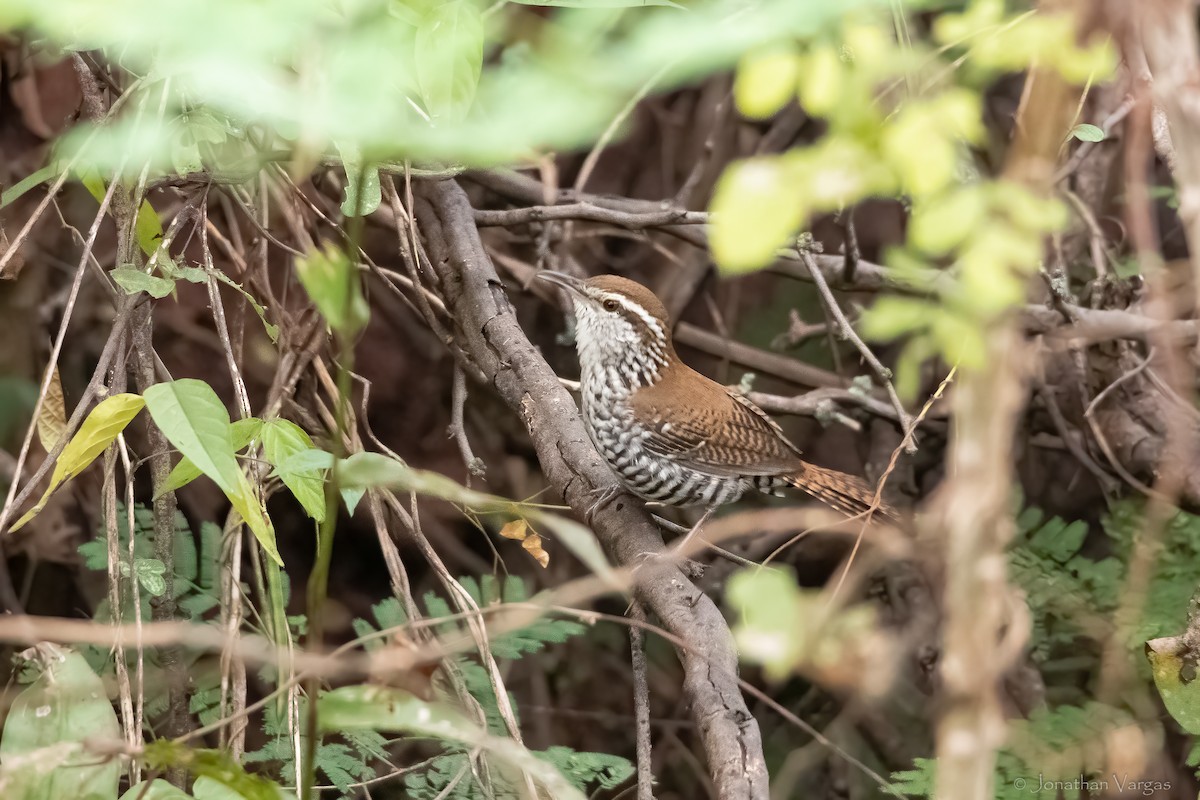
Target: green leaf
(766,81)
(1088,133)
(65,707)
(448,58)
(332,284)
(218,777)
(196,423)
(283,440)
(893,317)
(757,208)
(305,460)
(150,573)
(770,605)
(249,506)
(12,193)
(351,497)
(133,280)
(243,432)
(363,192)
(147,227)
(158,789)
(100,429)
(387,709)
(1180,696)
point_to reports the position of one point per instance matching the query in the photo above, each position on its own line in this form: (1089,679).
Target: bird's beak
(569,282)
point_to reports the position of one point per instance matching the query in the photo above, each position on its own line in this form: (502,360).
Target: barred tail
(846,493)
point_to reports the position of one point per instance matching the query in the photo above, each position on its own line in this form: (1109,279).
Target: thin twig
(883,373)
(641,704)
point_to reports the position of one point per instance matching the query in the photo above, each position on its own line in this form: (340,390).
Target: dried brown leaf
(52,419)
(533,544)
(516,529)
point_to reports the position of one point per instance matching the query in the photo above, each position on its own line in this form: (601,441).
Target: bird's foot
(602,495)
(694,570)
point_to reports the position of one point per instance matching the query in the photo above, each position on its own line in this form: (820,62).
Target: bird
(671,434)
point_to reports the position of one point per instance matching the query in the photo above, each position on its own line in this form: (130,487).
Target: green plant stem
(318,579)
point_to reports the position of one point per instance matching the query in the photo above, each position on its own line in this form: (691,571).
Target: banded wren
(672,435)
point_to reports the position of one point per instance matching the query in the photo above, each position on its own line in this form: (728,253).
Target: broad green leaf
(449,57)
(243,432)
(57,714)
(363,192)
(196,423)
(1088,133)
(387,709)
(368,470)
(100,429)
(283,440)
(158,789)
(757,208)
(332,284)
(1180,696)
(771,608)
(766,81)
(132,281)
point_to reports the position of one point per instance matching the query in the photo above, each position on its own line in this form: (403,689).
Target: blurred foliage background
(847,206)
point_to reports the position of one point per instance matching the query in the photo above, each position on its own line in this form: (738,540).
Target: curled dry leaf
(533,545)
(516,529)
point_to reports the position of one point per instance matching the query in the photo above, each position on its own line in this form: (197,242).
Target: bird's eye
(611,305)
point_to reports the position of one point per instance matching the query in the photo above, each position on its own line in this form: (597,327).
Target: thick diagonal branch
(488,333)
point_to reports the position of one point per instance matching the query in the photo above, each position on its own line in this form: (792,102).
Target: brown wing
(700,424)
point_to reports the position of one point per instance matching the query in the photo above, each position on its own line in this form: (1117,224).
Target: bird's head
(618,323)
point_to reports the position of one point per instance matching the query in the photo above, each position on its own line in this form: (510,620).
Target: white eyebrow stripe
(629,305)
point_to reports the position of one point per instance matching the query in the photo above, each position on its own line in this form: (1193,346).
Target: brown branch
(491,336)
(586,212)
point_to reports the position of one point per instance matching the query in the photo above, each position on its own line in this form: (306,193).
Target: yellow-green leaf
(766,81)
(98,431)
(1176,682)
(247,504)
(332,284)
(147,228)
(757,208)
